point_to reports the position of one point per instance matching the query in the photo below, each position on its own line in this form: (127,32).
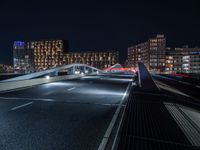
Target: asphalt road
(71,114)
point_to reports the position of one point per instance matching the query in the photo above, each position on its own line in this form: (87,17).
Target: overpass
(95,111)
(70,69)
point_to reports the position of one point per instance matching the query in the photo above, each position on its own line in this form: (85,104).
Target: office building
(38,55)
(22,57)
(31,56)
(96,59)
(138,53)
(151,53)
(183,60)
(48,53)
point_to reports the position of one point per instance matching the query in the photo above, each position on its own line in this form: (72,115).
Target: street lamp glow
(47,77)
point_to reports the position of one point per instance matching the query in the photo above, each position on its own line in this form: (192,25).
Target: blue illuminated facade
(195,53)
(19,43)
(22,57)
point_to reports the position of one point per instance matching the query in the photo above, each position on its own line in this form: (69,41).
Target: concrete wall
(4,86)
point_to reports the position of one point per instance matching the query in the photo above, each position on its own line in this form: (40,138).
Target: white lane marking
(71,89)
(22,98)
(104,141)
(120,123)
(20,106)
(190,131)
(194,115)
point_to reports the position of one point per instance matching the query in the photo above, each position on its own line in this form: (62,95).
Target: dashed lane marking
(71,89)
(20,106)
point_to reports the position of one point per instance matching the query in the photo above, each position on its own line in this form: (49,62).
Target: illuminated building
(22,57)
(6,68)
(38,55)
(183,60)
(30,56)
(96,59)
(138,53)
(151,53)
(48,53)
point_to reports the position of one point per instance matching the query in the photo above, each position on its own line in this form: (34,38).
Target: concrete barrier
(5,86)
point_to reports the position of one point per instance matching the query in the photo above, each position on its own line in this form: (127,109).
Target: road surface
(71,114)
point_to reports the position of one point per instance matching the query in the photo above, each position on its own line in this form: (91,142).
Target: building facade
(96,59)
(38,55)
(183,60)
(31,56)
(48,53)
(157,49)
(6,68)
(22,57)
(151,53)
(138,53)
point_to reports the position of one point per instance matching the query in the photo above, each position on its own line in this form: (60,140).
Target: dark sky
(100,25)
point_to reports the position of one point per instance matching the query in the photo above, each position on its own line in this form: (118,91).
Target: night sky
(99,25)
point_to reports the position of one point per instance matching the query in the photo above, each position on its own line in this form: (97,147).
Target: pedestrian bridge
(70,69)
(73,71)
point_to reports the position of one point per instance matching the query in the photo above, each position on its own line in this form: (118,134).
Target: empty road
(70,114)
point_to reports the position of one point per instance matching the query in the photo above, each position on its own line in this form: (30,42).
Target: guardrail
(11,85)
